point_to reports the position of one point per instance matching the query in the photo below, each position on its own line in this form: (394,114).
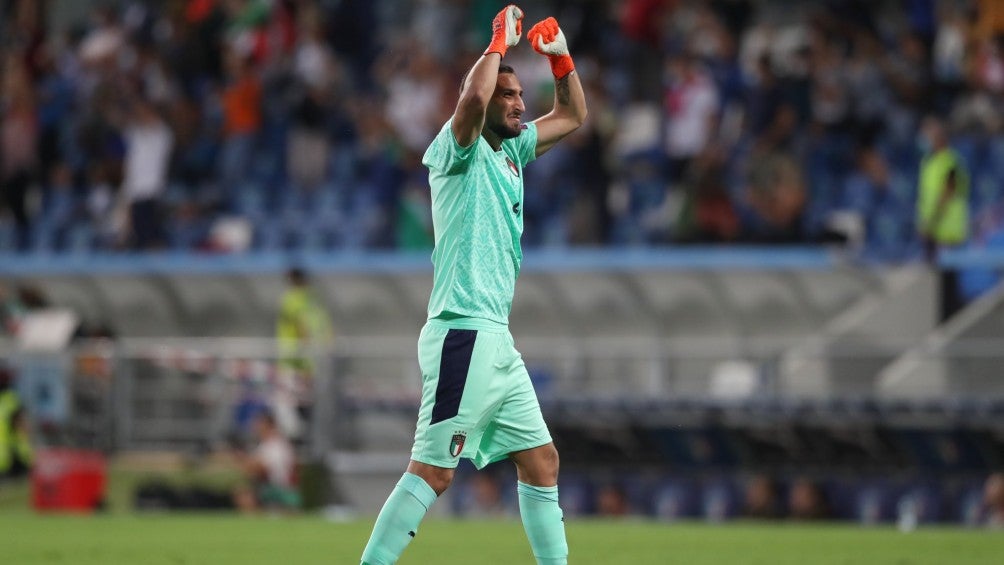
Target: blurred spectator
(877,215)
(942,205)
(907,70)
(830,99)
(771,117)
(148,151)
(10,311)
(642,23)
(777,199)
(18,143)
(58,209)
(104,207)
(269,471)
(302,330)
(308,147)
(807,501)
(15,305)
(692,104)
(989,17)
(104,40)
(612,501)
(708,214)
(871,96)
(16,453)
(319,76)
(414,230)
(993,501)
(242,118)
(761,500)
(948,55)
(415,88)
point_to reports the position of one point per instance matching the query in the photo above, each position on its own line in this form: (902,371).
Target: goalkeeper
(477,399)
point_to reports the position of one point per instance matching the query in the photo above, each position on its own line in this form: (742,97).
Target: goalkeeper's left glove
(547,39)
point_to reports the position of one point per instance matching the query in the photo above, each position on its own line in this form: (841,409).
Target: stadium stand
(819,108)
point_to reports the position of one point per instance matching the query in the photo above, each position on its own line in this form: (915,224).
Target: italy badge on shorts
(457,444)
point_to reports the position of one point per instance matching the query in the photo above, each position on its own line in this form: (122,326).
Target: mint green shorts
(477,399)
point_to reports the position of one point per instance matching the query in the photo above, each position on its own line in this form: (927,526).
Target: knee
(542,469)
(551,464)
(438,478)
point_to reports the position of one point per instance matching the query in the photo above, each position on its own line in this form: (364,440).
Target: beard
(503,130)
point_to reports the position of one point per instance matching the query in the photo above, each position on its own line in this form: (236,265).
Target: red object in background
(68,479)
(198,10)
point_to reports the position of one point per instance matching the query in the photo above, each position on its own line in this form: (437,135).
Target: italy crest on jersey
(457,444)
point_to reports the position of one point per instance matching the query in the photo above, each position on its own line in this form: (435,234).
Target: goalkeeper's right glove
(506,28)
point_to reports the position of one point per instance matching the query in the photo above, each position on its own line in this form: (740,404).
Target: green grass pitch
(30,539)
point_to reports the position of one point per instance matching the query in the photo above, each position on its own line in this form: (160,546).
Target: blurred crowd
(908,503)
(228,125)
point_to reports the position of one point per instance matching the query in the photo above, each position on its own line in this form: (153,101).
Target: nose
(520,105)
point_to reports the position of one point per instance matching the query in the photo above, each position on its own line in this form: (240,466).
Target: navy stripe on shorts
(458,347)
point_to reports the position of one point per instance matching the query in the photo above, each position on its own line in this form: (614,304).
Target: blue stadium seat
(251,203)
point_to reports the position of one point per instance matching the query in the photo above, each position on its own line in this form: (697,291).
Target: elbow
(472,102)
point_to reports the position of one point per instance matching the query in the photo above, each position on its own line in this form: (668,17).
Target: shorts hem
(436,463)
(480,463)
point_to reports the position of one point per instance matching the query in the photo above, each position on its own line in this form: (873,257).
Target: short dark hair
(503,69)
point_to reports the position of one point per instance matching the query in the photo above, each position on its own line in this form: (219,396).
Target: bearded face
(504,115)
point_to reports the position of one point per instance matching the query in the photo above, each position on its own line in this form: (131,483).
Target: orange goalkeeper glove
(547,39)
(506,28)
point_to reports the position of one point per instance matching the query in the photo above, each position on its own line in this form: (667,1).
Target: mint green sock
(398,521)
(544,523)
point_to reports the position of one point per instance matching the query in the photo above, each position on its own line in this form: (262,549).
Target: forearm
(479,85)
(569,98)
(480,81)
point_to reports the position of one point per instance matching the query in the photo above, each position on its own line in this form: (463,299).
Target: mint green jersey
(477,216)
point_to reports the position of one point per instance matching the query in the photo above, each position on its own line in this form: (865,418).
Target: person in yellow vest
(16,453)
(303,329)
(942,204)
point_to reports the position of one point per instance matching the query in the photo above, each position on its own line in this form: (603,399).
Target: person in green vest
(942,205)
(16,453)
(303,329)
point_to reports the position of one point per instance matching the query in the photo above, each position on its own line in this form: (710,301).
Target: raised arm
(569,110)
(479,85)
